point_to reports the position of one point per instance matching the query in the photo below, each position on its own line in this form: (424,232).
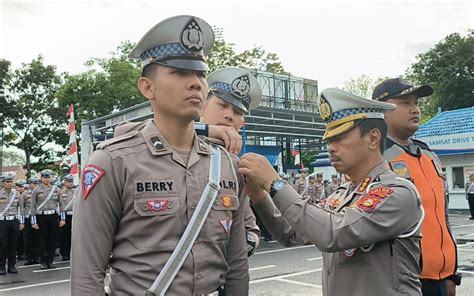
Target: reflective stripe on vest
(438,248)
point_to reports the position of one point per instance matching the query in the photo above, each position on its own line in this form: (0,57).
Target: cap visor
(194,65)
(423,91)
(230,99)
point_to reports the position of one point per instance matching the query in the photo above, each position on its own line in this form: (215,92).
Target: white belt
(68,212)
(47,212)
(7,218)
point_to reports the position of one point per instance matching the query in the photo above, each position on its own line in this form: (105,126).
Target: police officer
(140,191)
(301,182)
(45,203)
(232,93)
(67,195)
(20,185)
(413,160)
(30,235)
(9,224)
(470,194)
(367,227)
(334,184)
(314,190)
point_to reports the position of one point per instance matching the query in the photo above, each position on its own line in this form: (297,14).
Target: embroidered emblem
(350,252)
(364,184)
(192,37)
(241,86)
(226,224)
(334,203)
(400,168)
(227,201)
(325,110)
(90,176)
(372,198)
(156,141)
(158,205)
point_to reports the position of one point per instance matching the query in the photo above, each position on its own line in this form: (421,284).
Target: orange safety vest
(421,166)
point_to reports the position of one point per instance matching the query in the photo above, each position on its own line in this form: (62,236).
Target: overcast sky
(326,41)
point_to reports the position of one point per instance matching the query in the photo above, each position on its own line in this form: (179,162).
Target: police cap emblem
(192,37)
(241,86)
(324,109)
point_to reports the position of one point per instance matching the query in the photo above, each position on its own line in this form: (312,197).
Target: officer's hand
(232,139)
(255,193)
(62,223)
(451,287)
(35,226)
(258,169)
(22,226)
(251,243)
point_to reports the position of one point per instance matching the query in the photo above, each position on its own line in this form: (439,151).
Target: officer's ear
(374,137)
(146,87)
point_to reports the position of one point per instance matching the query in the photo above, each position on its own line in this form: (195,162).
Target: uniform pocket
(220,218)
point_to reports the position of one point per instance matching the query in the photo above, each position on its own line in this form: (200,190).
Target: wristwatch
(276,186)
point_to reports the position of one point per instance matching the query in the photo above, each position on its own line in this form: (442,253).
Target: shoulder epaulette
(422,144)
(118,139)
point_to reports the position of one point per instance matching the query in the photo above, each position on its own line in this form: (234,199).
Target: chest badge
(227,201)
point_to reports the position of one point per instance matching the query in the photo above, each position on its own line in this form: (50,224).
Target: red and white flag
(73,145)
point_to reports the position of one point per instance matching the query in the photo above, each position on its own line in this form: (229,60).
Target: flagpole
(73,145)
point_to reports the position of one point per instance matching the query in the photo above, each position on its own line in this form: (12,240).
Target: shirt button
(198,276)
(189,173)
(193,205)
(328,272)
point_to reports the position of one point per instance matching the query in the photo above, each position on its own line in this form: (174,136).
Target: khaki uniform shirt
(67,195)
(314,191)
(333,186)
(137,210)
(41,193)
(5,199)
(249,217)
(25,203)
(358,234)
(300,185)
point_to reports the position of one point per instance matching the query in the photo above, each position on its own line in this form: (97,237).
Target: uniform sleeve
(237,279)
(34,199)
(277,225)
(352,227)
(61,205)
(251,221)
(94,225)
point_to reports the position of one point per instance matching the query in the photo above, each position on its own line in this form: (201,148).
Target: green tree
(224,55)
(449,68)
(31,103)
(12,158)
(362,86)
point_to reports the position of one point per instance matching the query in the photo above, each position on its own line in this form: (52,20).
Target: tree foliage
(30,108)
(224,55)
(362,86)
(449,68)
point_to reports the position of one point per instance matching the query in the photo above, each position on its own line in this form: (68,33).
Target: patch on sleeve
(372,198)
(226,224)
(90,176)
(400,168)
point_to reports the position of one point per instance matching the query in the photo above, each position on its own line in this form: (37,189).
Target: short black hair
(149,71)
(366,125)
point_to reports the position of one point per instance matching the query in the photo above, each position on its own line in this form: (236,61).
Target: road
(274,270)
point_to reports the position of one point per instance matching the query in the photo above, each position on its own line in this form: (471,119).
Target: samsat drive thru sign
(450,144)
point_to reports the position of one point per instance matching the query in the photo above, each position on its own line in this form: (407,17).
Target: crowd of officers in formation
(35,217)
